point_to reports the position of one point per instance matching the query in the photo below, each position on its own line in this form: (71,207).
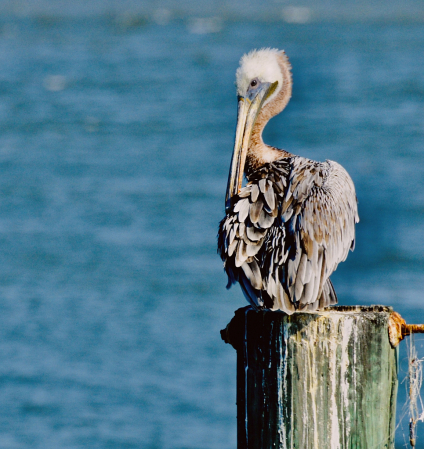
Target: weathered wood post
(317,380)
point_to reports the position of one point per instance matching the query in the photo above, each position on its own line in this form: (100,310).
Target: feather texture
(287,231)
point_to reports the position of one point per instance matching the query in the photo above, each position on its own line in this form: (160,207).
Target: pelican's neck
(259,153)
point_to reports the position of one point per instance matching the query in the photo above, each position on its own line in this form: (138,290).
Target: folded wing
(286,232)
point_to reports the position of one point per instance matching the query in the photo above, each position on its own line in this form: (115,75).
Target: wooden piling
(315,380)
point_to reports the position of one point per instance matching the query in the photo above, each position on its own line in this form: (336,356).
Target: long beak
(248,110)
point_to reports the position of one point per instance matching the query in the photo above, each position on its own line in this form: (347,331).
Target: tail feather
(252,295)
(328,296)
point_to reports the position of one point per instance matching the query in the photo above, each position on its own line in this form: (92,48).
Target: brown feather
(255,210)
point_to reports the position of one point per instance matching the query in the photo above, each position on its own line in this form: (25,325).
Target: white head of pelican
(264,86)
(287,230)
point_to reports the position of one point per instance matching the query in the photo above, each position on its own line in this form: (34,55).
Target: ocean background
(116,130)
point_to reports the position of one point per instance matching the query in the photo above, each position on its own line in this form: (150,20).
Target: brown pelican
(286,231)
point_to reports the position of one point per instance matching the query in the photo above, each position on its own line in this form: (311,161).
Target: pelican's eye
(254,83)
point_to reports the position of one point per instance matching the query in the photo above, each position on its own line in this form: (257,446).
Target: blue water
(116,135)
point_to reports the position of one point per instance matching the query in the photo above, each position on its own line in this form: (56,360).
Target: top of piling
(356,309)
(234,332)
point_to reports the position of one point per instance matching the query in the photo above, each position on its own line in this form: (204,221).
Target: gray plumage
(286,232)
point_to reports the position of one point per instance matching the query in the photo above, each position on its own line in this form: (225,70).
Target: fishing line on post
(415,379)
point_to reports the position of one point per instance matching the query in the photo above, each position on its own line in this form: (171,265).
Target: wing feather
(287,231)
(255,210)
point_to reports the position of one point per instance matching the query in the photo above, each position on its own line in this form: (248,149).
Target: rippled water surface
(115,142)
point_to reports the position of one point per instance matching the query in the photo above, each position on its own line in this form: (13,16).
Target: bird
(285,232)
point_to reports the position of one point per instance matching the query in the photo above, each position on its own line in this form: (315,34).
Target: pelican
(286,231)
